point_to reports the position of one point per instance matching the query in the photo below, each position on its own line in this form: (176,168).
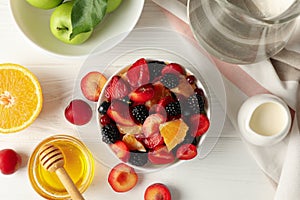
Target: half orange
(20,97)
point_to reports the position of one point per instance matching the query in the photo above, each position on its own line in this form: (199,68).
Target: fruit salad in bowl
(156,101)
(153,113)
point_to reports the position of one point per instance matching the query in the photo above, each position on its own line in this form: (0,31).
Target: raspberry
(110,134)
(170,80)
(138,158)
(140,113)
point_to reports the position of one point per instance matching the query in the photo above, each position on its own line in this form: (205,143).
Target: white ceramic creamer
(264,119)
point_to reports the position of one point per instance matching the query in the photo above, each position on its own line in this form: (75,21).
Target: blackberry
(170,80)
(138,158)
(140,113)
(155,68)
(196,103)
(103,107)
(110,133)
(173,109)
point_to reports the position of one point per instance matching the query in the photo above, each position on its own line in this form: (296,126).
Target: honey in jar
(79,164)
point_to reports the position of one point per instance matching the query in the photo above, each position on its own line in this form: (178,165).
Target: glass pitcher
(243,31)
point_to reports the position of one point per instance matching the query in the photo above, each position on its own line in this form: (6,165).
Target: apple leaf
(86,14)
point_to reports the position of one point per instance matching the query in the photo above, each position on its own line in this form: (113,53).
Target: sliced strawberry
(138,73)
(153,140)
(186,152)
(119,112)
(157,191)
(142,93)
(121,150)
(199,124)
(161,155)
(173,68)
(122,178)
(116,89)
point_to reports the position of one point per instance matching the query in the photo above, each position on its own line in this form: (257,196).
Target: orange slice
(132,143)
(173,132)
(20,98)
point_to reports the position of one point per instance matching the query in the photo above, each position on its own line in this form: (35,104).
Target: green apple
(45,4)
(61,25)
(112,5)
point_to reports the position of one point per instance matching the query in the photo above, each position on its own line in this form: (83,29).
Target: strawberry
(173,68)
(142,93)
(121,150)
(117,88)
(199,124)
(157,191)
(161,155)
(122,178)
(186,152)
(10,161)
(153,141)
(119,112)
(138,73)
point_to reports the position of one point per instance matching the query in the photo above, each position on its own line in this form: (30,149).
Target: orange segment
(132,143)
(173,132)
(20,98)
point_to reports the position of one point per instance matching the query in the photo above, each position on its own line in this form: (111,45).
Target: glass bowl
(79,164)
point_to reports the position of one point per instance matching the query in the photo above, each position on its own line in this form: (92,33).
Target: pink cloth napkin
(280,162)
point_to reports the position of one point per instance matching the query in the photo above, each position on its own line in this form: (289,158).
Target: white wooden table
(228,173)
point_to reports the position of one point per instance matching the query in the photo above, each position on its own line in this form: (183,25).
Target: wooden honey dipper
(52,159)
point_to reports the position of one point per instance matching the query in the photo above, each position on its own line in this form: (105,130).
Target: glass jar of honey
(79,164)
